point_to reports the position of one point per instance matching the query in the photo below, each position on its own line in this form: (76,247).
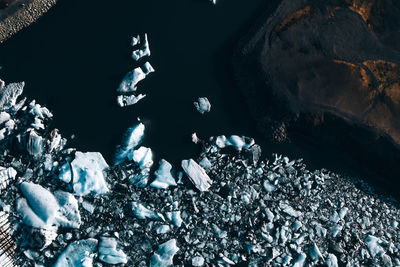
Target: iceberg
(144,49)
(109,253)
(133,137)
(86,172)
(78,254)
(164,255)
(143,157)
(141,212)
(197,175)
(41,209)
(135,40)
(202,105)
(237,142)
(35,144)
(164,178)
(125,100)
(132,78)
(9,95)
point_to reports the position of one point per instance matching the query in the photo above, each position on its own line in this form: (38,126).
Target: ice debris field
(62,207)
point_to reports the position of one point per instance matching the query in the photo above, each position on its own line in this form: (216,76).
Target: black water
(74,57)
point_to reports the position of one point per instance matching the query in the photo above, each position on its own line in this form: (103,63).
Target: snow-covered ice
(197,175)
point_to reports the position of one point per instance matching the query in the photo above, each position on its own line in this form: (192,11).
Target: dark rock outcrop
(18,14)
(328,71)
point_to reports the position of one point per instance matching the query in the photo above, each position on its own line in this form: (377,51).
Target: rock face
(328,68)
(18,14)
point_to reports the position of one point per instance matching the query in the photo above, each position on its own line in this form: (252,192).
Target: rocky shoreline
(20,14)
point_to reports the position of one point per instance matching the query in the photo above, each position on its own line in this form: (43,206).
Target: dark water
(74,57)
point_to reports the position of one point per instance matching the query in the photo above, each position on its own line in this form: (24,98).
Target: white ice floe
(300,261)
(132,78)
(202,105)
(78,254)
(86,172)
(164,178)
(163,229)
(144,49)
(269,187)
(133,137)
(128,100)
(197,175)
(135,40)
(9,95)
(141,212)
(35,144)
(175,217)
(41,209)
(143,156)
(109,253)
(236,141)
(198,261)
(164,255)
(331,261)
(374,247)
(40,113)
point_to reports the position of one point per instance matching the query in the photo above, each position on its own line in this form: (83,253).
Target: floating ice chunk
(315,253)
(373,244)
(86,171)
(132,78)
(35,144)
(42,209)
(40,113)
(218,232)
(331,261)
(198,261)
(269,187)
(6,175)
(196,174)
(213,1)
(236,141)
(133,137)
(9,95)
(143,157)
(176,218)
(4,116)
(55,142)
(65,174)
(164,255)
(41,201)
(78,254)
(68,212)
(164,178)
(335,230)
(202,105)
(301,259)
(162,229)
(109,253)
(205,163)
(144,49)
(336,217)
(124,100)
(289,210)
(135,40)
(141,212)
(297,225)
